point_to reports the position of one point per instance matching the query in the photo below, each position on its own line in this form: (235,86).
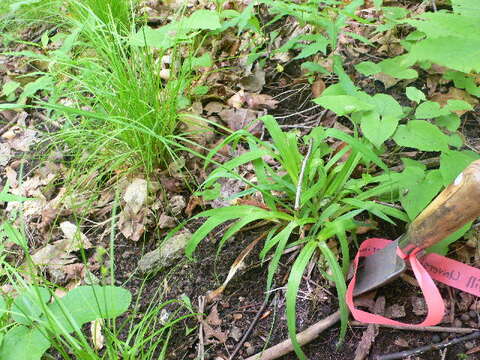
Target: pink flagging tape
(452,273)
(433,299)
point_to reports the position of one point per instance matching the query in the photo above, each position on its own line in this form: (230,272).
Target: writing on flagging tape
(453,273)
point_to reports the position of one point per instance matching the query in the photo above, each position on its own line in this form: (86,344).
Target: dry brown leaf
(237,100)
(418,306)
(255,81)
(193,202)
(237,119)
(20,138)
(318,87)
(98,340)
(402,342)
(213,107)
(370,224)
(210,333)
(11,176)
(455,94)
(395,311)
(166,222)
(260,101)
(58,252)
(135,195)
(387,80)
(197,129)
(5,154)
(76,239)
(132,226)
(134,216)
(236,266)
(213,318)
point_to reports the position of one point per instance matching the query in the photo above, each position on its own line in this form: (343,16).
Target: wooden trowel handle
(458,204)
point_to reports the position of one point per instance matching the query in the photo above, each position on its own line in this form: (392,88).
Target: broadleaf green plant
(308,199)
(39,322)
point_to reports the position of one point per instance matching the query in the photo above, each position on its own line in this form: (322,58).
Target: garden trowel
(458,204)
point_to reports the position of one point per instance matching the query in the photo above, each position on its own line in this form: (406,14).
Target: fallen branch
(421,350)
(422,328)
(303,338)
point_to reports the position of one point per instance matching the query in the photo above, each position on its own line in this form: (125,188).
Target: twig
(369,335)
(250,328)
(298,112)
(422,328)
(8,125)
(303,338)
(422,349)
(201,346)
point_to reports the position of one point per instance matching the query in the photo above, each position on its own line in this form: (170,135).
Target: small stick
(8,125)
(303,338)
(201,345)
(422,328)
(422,349)
(250,328)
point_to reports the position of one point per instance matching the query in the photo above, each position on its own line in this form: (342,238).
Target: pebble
(436,338)
(469,345)
(457,323)
(250,350)
(465,317)
(236,333)
(473,314)
(237,316)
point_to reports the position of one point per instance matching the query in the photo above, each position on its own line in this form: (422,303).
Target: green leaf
(455,140)
(203,20)
(451,122)
(453,163)
(314,67)
(202,61)
(356,145)
(27,307)
(296,275)
(466,7)
(368,68)
(343,104)
(280,240)
(379,124)
(81,305)
(9,88)
(421,135)
(457,105)
(287,146)
(429,110)
(414,94)
(42,83)
(5,106)
(155,38)
(418,187)
(396,67)
(340,285)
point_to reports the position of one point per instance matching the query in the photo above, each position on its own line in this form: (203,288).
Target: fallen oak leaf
(260,101)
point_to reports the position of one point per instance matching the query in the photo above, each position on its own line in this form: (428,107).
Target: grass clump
(125,111)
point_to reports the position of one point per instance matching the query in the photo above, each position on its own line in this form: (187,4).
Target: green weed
(307,199)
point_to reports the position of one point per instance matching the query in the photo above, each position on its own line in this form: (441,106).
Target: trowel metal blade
(378,269)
